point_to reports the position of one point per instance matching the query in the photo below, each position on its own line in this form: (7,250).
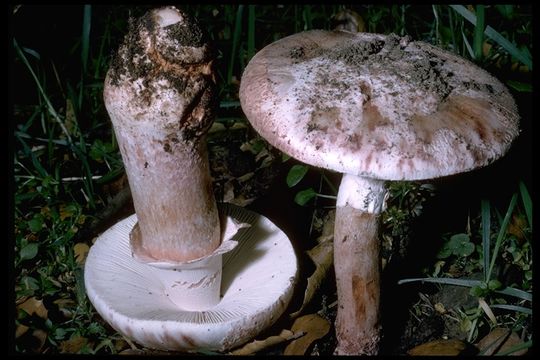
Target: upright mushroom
(375,108)
(157,275)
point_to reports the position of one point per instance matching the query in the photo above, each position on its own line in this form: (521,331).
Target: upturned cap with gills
(375,108)
(379,106)
(182,273)
(256,287)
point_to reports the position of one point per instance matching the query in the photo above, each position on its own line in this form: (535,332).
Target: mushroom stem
(160,94)
(357,264)
(172,195)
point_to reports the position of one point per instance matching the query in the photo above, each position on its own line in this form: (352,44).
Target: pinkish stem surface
(160,95)
(357,265)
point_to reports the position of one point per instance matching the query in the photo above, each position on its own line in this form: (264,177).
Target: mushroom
(133,297)
(161,276)
(375,108)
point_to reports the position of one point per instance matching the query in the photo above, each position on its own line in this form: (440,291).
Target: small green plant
(458,245)
(296,174)
(492,288)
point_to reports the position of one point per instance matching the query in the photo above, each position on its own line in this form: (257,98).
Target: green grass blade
(37,165)
(329,183)
(515,348)
(446,281)
(470,283)
(32,52)
(229,104)
(85,41)
(495,36)
(105,39)
(520,294)
(519,86)
(75,101)
(486,231)
(236,40)
(479,32)
(525,58)
(527,202)
(502,233)
(307,17)
(436,15)
(521,309)
(51,109)
(452,31)
(251,32)
(467,45)
(296,20)
(462,10)
(24,128)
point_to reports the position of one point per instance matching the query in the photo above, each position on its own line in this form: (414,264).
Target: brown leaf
(258,345)
(450,347)
(216,127)
(517,225)
(73,345)
(498,341)
(114,187)
(65,306)
(20,330)
(439,307)
(314,327)
(81,251)
(34,306)
(41,336)
(349,20)
(322,256)
(65,212)
(71,119)
(486,47)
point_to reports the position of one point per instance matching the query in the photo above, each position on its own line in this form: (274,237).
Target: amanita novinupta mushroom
(375,108)
(156,276)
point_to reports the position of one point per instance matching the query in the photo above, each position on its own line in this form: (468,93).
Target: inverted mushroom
(375,108)
(156,277)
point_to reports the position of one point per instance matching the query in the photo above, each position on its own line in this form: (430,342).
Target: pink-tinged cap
(376,105)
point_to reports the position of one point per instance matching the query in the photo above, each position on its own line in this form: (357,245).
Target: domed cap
(376,105)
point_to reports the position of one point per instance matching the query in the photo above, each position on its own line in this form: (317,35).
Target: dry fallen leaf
(20,330)
(258,345)
(439,307)
(41,336)
(216,127)
(498,341)
(71,119)
(517,226)
(81,251)
(322,256)
(349,20)
(314,327)
(65,306)
(450,347)
(34,306)
(73,345)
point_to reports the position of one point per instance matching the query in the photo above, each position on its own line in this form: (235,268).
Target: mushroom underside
(257,284)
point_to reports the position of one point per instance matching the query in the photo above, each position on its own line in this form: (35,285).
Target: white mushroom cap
(257,284)
(377,106)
